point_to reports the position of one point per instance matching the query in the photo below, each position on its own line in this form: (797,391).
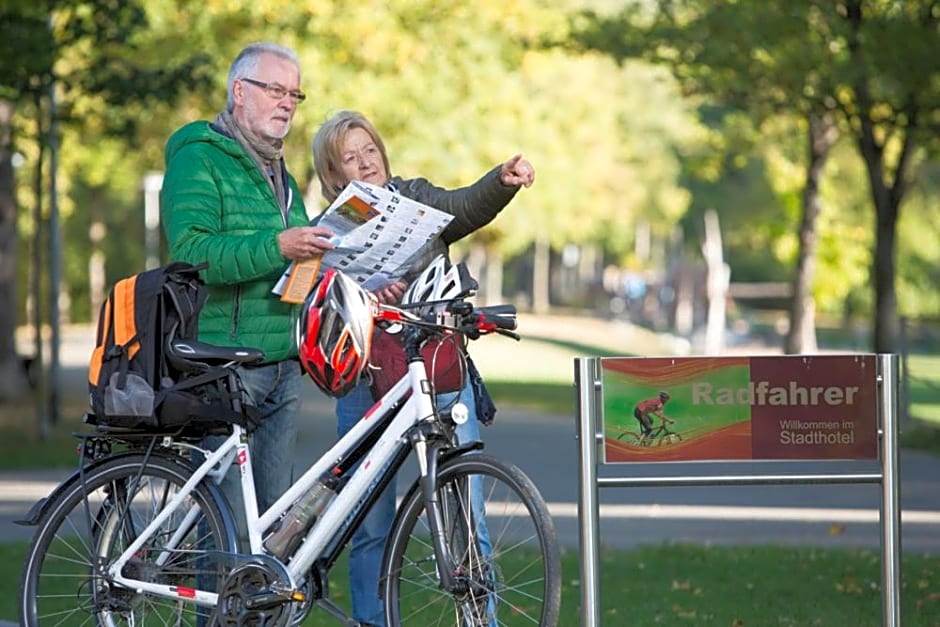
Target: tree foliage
(457,88)
(454,91)
(867,61)
(69,66)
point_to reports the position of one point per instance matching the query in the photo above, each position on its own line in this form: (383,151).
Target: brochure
(377,234)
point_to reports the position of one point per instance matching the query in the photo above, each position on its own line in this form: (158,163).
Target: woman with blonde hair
(347,147)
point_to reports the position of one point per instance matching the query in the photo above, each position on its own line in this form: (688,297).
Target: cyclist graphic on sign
(645,409)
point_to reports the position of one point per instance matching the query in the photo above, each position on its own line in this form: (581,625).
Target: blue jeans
(368,541)
(275,390)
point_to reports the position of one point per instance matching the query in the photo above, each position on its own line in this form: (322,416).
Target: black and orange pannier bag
(131,381)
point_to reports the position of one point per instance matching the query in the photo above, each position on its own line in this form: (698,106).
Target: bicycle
(659,436)
(141,534)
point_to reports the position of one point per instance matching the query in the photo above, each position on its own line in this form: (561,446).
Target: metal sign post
(830,428)
(587,380)
(890,492)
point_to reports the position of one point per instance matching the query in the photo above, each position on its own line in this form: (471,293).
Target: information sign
(749,408)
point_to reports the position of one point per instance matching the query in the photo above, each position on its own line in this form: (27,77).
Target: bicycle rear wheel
(91,522)
(504,551)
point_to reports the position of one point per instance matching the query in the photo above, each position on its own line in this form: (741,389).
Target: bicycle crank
(255,595)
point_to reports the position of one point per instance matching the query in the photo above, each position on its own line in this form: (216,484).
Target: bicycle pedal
(270,600)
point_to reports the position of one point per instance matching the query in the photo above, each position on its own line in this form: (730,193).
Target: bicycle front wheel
(669,438)
(93,520)
(502,544)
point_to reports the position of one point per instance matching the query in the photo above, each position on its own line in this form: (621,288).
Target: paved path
(545,447)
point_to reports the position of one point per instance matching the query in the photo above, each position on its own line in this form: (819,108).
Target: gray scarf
(269,155)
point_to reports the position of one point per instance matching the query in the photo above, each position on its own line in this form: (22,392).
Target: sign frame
(589,383)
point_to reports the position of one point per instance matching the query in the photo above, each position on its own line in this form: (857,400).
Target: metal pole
(713,480)
(587,384)
(55,257)
(44,426)
(890,490)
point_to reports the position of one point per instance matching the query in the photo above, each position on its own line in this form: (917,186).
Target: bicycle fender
(443,457)
(228,515)
(462,449)
(36,512)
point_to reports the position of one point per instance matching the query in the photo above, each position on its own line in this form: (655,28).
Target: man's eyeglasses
(275,91)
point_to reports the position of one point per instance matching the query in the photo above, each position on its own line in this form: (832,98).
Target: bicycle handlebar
(501,317)
(458,317)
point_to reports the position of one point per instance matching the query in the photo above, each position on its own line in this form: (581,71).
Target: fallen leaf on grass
(930,598)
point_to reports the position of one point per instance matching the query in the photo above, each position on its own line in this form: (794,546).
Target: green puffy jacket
(216,206)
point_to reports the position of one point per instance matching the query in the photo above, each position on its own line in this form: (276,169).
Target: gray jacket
(473,207)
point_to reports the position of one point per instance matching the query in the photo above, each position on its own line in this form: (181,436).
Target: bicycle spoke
(65,576)
(502,548)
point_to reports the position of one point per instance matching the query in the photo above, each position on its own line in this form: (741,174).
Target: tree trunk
(494,277)
(12,374)
(681,312)
(887,196)
(886,300)
(801,337)
(541,269)
(485,264)
(887,200)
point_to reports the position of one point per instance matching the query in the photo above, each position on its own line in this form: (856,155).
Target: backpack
(131,381)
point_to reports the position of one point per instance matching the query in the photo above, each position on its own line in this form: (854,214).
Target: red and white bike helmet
(439,281)
(335,333)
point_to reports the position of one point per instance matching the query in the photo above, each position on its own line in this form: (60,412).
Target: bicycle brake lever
(511,334)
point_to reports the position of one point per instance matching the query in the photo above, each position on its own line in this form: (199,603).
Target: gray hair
(245,64)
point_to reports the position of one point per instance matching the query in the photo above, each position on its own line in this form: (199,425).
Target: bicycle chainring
(249,598)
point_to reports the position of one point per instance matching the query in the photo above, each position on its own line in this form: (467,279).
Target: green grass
(550,398)
(691,585)
(923,386)
(922,391)
(20,444)
(728,586)
(11,564)
(21,450)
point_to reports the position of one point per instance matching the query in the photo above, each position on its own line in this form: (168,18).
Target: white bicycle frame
(417,407)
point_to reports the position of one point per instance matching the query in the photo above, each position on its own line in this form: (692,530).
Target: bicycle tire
(630,438)
(517,583)
(87,525)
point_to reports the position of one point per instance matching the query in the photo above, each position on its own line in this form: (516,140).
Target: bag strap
(187,384)
(124,325)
